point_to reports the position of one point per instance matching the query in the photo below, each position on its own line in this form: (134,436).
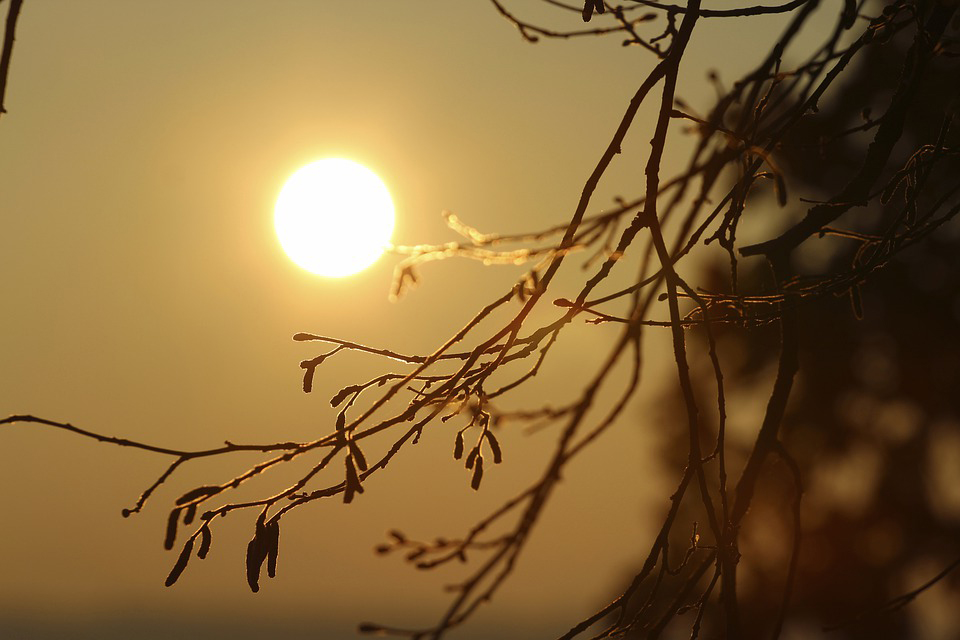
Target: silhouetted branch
(741,162)
(726,13)
(10,28)
(895,604)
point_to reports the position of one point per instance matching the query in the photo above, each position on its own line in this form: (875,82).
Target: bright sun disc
(334,217)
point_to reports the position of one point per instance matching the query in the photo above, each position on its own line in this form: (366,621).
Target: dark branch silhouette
(9,31)
(891,193)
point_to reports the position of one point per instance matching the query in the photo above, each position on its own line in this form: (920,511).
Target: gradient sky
(145,295)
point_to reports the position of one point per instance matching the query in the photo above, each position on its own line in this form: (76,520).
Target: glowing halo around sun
(334,217)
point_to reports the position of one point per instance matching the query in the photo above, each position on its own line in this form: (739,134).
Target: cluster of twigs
(737,143)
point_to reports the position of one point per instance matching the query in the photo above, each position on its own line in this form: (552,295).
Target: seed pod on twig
(352,481)
(256,554)
(343,393)
(171,534)
(309,368)
(199,492)
(458,446)
(357,455)
(205,539)
(477,474)
(181,563)
(472,456)
(273,547)
(494,447)
(588,8)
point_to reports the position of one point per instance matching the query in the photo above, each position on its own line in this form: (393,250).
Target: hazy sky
(145,294)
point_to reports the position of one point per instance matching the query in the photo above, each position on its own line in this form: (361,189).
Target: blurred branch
(895,604)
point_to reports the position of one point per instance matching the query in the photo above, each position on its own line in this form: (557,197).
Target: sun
(334,217)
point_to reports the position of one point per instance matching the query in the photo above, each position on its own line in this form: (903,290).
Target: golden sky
(146,296)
